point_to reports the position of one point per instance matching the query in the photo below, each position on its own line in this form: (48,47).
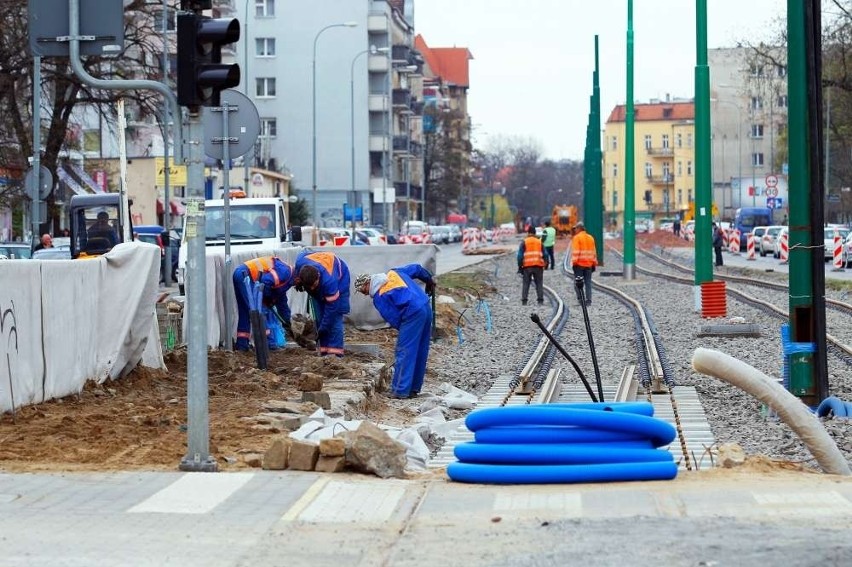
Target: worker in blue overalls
(404,305)
(325,277)
(276,277)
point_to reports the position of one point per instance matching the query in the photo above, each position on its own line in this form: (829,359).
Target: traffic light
(201,73)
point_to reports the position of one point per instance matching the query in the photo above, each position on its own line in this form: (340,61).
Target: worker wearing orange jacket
(584,257)
(531,264)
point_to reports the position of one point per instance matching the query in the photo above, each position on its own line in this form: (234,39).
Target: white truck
(256,223)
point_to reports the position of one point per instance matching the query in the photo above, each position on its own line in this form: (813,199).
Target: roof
(449,63)
(670,111)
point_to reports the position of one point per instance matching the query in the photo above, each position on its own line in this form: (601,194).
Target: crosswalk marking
(193,493)
(348,502)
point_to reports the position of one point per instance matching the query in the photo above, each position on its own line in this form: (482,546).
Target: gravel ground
(735,417)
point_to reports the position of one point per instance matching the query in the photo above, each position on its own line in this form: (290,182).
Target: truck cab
(255,224)
(96,224)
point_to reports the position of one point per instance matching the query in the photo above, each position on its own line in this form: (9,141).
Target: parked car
(455,233)
(766,244)
(417,232)
(155,234)
(828,254)
(440,234)
(374,236)
(15,251)
(61,252)
(847,251)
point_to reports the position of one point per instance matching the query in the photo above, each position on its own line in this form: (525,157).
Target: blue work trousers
(412,350)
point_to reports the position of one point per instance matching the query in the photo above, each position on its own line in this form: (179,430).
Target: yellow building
(664,159)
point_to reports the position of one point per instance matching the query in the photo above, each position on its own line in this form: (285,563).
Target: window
(756,70)
(689,168)
(264,46)
(264,8)
(158,21)
(689,194)
(679,168)
(756,103)
(265,87)
(782,101)
(757,130)
(689,140)
(614,143)
(268,127)
(615,170)
(757,159)
(647,141)
(679,196)
(614,199)
(92,141)
(665,141)
(649,170)
(666,169)
(678,140)
(781,70)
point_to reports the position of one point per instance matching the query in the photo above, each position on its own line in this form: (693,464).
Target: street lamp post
(314,119)
(739,147)
(371,51)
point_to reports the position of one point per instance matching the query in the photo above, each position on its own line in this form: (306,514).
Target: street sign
(100,20)
(771,180)
(832,198)
(349,211)
(45,184)
(243,125)
(774,202)
(771,191)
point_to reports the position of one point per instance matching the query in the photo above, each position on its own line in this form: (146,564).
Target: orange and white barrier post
(734,242)
(838,253)
(750,247)
(784,247)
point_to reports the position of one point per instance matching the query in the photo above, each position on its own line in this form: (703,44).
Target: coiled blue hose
(562,443)
(836,406)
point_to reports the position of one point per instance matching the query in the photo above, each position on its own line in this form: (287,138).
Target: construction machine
(96,224)
(563,218)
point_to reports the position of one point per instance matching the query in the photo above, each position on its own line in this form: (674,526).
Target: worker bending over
(404,305)
(326,279)
(276,277)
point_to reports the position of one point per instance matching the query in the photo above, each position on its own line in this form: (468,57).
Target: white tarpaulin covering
(65,322)
(360,259)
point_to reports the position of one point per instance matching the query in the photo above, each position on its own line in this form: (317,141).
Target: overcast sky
(532,70)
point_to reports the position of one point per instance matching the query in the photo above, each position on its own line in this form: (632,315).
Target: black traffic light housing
(201,74)
(191,5)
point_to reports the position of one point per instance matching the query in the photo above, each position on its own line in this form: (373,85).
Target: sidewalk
(753,517)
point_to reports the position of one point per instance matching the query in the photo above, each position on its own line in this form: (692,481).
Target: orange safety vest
(258,266)
(583,251)
(533,253)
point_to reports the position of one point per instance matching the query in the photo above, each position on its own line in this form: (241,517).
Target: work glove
(430,287)
(520,271)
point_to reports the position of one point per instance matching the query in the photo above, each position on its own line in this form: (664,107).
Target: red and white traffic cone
(735,242)
(466,241)
(785,248)
(750,247)
(838,253)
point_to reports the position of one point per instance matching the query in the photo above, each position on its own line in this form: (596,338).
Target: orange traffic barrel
(714,302)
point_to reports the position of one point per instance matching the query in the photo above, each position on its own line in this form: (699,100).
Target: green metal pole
(807,273)
(629,227)
(703,178)
(594,214)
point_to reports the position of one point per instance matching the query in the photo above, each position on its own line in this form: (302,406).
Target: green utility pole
(593,203)
(629,226)
(808,371)
(703,179)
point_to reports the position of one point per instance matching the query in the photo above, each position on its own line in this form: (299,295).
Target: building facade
(664,173)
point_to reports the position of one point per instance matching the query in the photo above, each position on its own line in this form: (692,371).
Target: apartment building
(664,172)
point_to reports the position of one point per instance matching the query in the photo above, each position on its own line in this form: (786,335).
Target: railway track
(841,351)
(540,381)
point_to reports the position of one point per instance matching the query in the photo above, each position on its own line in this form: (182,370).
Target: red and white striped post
(734,242)
(838,253)
(784,247)
(750,247)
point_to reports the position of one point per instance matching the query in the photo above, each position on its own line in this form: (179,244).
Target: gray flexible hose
(788,407)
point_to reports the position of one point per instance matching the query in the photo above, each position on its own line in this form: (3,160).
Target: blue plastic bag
(275,336)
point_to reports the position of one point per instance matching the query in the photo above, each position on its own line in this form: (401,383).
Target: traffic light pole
(74,39)
(198,456)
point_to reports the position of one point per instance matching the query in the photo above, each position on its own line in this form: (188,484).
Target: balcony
(660,152)
(400,144)
(402,98)
(665,179)
(401,54)
(416,149)
(378,103)
(378,143)
(378,63)
(377,23)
